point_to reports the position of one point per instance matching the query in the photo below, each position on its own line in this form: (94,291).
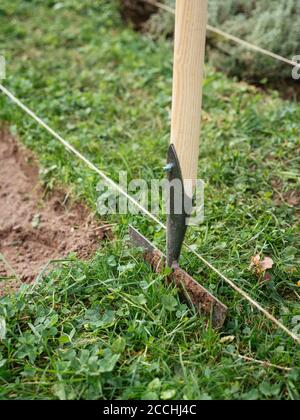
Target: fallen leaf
(255,260)
(227,339)
(260,267)
(266,263)
(267,277)
(36,221)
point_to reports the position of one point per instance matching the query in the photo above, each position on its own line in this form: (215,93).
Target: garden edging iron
(182,161)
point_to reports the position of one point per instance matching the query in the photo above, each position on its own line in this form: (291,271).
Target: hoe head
(190,290)
(179,208)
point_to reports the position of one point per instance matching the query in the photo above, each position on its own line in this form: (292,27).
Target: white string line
(109,181)
(78,154)
(246,296)
(230,37)
(260,362)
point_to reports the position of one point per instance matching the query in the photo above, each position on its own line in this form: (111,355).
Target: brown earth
(291,197)
(35,229)
(136,12)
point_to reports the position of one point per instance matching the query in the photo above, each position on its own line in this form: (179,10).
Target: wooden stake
(190,33)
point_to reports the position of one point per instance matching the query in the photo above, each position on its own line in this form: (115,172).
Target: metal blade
(177,204)
(190,289)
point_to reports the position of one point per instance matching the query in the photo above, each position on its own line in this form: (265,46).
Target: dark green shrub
(270,24)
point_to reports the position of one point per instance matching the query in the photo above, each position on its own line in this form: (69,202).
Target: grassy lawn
(108,328)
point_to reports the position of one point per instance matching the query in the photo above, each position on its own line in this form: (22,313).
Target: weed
(109,328)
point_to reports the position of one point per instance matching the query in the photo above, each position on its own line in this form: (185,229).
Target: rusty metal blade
(190,289)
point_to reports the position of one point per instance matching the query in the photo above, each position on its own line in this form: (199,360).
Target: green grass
(108,328)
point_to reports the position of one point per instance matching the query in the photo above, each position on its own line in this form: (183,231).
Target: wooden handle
(190,32)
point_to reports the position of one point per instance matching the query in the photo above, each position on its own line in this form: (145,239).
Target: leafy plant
(265,23)
(109,327)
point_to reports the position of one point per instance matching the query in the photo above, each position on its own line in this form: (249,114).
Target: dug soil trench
(36,228)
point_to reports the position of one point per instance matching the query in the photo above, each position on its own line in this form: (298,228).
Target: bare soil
(36,227)
(290,197)
(136,12)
